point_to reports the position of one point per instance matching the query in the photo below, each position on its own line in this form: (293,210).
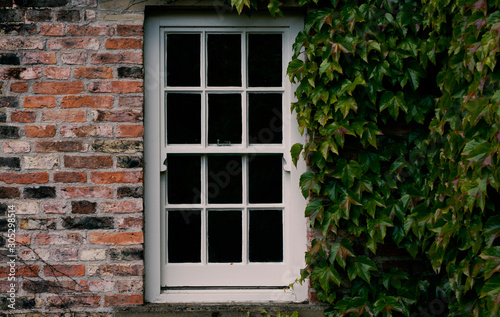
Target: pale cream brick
(26,208)
(40,162)
(16,147)
(93,255)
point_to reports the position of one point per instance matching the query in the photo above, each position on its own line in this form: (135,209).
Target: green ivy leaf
(314,210)
(295,152)
(361,268)
(345,104)
(309,182)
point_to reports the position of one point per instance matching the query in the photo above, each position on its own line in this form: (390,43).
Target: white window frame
(295,232)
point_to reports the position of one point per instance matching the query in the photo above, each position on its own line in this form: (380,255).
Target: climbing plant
(400,103)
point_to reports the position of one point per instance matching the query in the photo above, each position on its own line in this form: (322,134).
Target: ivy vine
(400,102)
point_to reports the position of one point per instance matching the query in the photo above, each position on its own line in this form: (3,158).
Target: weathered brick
(21,270)
(73,301)
(45,238)
(133,115)
(39,58)
(52,30)
(70,177)
(116,58)
(120,270)
(87,101)
(3,116)
(48,286)
(84,3)
(64,116)
(54,207)
(118,87)
(96,286)
(60,146)
(23,116)
(11,15)
(10,162)
(9,192)
(88,161)
(131,102)
(9,102)
(42,192)
(16,147)
(83,207)
(100,72)
(39,102)
(92,254)
(122,206)
(115,177)
(129,192)
(57,72)
(114,146)
(123,300)
(14,44)
(58,88)
(130,72)
(73,43)
(130,30)
(27,178)
(19,87)
(90,15)
(130,286)
(126,254)
(26,208)
(40,162)
(9,59)
(90,30)
(37,224)
(20,73)
(129,131)
(87,130)
(118,238)
(87,223)
(87,192)
(123,43)
(41,3)
(21,29)
(74,58)
(23,239)
(34,131)
(9,132)
(43,15)
(68,16)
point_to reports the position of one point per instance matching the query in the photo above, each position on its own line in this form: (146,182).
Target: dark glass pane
(183,60)
(184,236)
(264,60)
(224,180)
(265,179)
(183,118)
(224,118)
(184,179)
(224,59)
(265,118)
(224,236)
(266,236)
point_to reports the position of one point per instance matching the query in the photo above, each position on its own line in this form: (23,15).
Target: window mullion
(245,231)
(204,195)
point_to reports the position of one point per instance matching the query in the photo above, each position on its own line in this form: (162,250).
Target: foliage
(400,103)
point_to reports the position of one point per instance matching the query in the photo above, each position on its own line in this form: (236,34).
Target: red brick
(87,192)
(28,178)
(74,58)
(46,286)
(58,88)
(123,300)
(117,87)
(130,222)
(9,192)
(85,131)
(23,239)
(64,270)
(130,30)
(121,270)
(8,73)
(117,58)
(19,87)
(40,58)
(39,102)
(60,146)
(119,238)
(131,102)
(115,177)
(94,72)
(45,238)
(132,115)
(57,72)
(73,301)
(14,44)
(64,116)
(52,30)
(38,131)
(96,286)
(101,161)
(70,177)
(88,30)
(122,206)
(127,43)
(87,101)
(23,116)
(129,131)
(73,43)
(21,270)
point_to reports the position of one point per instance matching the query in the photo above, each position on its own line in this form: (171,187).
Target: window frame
(155,155)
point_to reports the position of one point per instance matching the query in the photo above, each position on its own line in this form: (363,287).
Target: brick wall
(71,153)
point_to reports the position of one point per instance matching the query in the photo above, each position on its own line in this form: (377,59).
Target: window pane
(224,236)
(265,118)
(183,118)
(224,118)
(266,236)
(224,59)
(264,60)
(224,179)
(183,60)
(265,179)
(184,236)
(184,179)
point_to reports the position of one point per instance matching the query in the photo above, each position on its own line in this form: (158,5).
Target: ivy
(401,104)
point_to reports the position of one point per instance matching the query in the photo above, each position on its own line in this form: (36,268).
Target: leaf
(361,268)
(308,182)
(345,104)
(239,4)
(314,210)
(349,172)
(325,274)
(393,102)
(295,152)
(274,8)
(491,287)
(491,230)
